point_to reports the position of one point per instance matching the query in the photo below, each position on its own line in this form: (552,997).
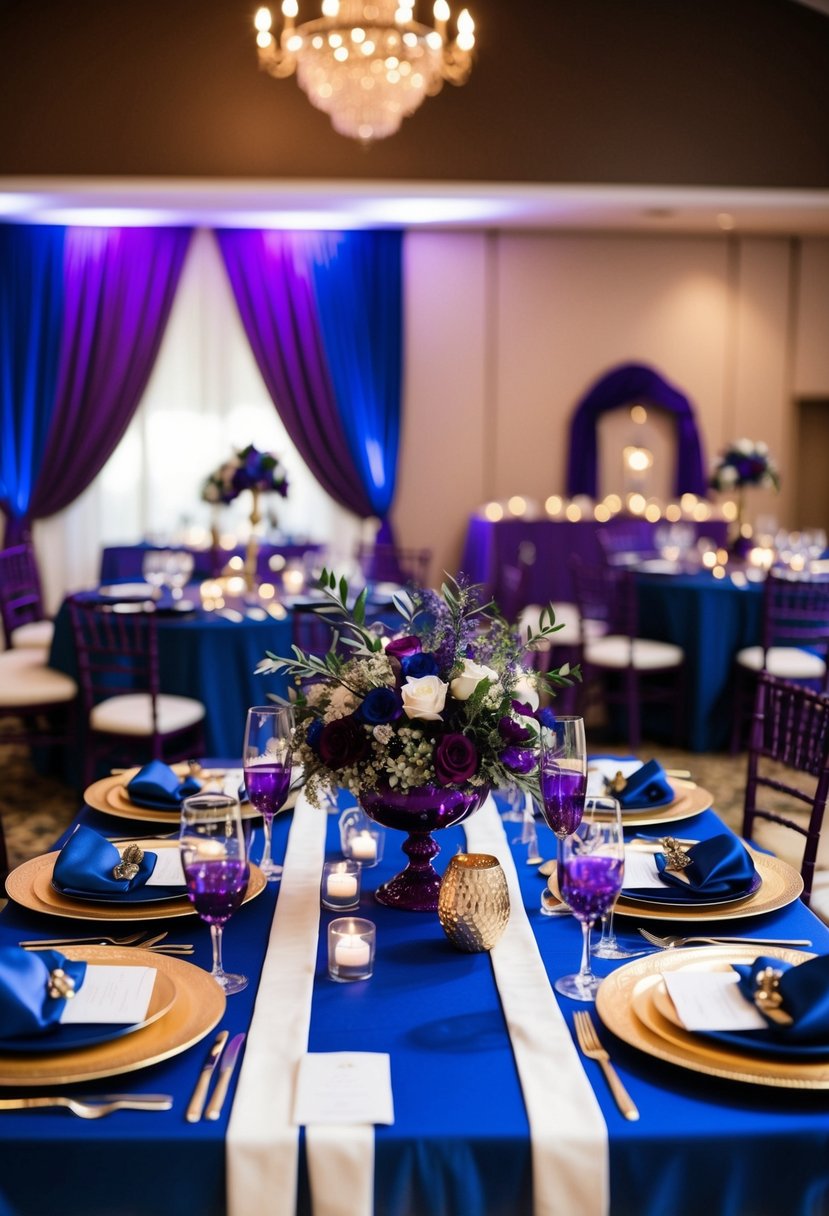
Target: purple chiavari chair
(790,727)
(21,601)
(794,642)
(629,670)
(125,711)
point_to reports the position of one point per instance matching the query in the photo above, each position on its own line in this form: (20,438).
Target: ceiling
(349,204)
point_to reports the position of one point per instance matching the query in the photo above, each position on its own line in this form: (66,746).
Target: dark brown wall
(685,92)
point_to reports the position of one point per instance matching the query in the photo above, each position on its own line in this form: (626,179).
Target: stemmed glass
(267,756)
(563,774)
(608,944)
(591,864)
(216,869)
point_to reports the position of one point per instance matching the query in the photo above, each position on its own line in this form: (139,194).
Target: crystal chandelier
(367,63)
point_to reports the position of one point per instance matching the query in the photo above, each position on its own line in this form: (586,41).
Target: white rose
(464,685)
(526,691)
(424,697)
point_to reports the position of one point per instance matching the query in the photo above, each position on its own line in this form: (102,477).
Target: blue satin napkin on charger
(721,868)
(156,786)
(25,1005)
(805,992)
(85,863)
(646,787)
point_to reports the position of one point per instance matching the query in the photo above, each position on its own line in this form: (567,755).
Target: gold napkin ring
(678,859)
(615,785)
(768,998)
(60,984)
(129,864)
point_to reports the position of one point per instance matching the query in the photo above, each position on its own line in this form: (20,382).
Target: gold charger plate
(781,885)
(690,800)
(110,796)
(626,1005)
(198,1005)
(30,885)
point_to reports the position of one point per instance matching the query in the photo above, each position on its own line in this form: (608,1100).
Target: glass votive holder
(351,942)
(340,888)
(361,839)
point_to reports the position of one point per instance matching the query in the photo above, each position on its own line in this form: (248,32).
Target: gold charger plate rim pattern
(688,802)
(781,885)
(30,885)
(198,1006)
(624,1004)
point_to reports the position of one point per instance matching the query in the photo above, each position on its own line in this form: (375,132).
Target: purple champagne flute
(563,774)
(267,756)
(216,870)
(591,864)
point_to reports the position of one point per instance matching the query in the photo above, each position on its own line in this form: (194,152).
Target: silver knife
(197,1101)
(214,1108)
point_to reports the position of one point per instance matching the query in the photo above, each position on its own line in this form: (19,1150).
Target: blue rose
(313,733)
(419,665)
(546,717)
(379,706)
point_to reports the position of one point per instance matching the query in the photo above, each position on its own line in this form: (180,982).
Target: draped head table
(121,562)
(461,1141)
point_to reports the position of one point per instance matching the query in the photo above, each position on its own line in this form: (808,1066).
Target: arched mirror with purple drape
(625,385)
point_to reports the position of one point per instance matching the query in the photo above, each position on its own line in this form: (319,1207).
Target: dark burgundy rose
(401,648)
(511,731)
(343,742)
(519,759)
(456,759)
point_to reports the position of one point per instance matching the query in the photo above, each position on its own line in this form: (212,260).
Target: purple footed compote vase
(419,811)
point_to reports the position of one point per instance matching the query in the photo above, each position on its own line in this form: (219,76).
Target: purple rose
(379,706)
(418,665)
(519,759)
(510,730)
(343,742)
(523,708)
(456,759)
(401,648)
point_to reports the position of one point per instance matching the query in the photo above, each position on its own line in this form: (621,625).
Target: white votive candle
(352,950)
(363,847)
(341,886)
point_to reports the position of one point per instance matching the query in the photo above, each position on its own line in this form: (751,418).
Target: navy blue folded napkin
(720,868)
(646,787)
(804,990)
(156,786)
(26,981)
(86,863)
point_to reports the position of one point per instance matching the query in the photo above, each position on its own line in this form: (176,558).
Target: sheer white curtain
(205,397)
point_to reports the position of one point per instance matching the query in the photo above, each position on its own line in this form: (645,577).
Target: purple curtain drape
(271,274)
(119,289)
(634,382)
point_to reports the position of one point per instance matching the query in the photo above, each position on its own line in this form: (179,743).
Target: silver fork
(93,1108)
(672,942)
(131,939)
(592,1048)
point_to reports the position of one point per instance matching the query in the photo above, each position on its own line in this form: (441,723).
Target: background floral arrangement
(744,463)
(248,469)
(451,700)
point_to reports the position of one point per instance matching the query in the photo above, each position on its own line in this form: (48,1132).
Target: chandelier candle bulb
(351,944)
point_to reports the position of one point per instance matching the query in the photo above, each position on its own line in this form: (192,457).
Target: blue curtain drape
(323,314)
(31,315)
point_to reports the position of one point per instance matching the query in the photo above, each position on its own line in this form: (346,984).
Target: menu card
(116,995)
(344,1087)
(711,1000)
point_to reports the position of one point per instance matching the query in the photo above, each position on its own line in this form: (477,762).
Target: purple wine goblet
(267,757)
(591,863)
(216,869)
(563,774)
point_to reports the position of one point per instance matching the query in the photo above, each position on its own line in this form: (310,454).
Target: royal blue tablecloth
(459,1145)
(121,562)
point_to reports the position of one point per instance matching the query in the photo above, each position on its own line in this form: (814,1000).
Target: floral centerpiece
(247,469)
(436,713)
(744,463)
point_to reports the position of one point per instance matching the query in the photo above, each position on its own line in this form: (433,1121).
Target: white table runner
(570,1152)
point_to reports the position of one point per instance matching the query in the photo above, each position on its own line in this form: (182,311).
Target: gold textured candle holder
(473,902)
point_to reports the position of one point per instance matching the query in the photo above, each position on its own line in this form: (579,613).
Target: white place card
(601,767)
(115,995)
(168,871)
(344,1087)
(641,870)
(711,1000)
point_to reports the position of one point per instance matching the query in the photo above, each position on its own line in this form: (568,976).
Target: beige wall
(505,332)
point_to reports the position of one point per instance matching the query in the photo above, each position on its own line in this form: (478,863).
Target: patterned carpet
(36,809)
